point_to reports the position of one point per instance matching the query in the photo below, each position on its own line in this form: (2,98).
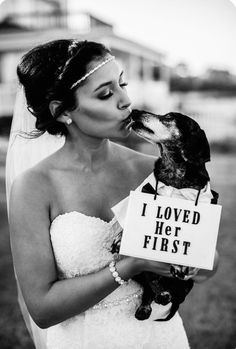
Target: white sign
(171,230)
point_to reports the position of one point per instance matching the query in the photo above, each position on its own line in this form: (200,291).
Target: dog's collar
(184,193)
(120,209)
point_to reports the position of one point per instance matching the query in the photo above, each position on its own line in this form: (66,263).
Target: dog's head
(171,128)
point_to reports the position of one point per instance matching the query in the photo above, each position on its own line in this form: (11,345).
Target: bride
(63,177)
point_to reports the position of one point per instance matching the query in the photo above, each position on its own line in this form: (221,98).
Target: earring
(69,121)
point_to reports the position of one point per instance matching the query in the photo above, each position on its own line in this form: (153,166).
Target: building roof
(14,37)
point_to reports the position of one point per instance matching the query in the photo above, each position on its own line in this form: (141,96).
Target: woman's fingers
(183,273)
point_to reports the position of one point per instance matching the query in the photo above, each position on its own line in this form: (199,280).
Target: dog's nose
(135,114)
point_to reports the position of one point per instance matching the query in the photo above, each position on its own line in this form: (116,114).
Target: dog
(184,150)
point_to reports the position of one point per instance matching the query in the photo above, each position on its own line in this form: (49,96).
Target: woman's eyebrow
(107,82)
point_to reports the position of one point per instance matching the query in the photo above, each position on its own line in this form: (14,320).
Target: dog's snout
(135,114)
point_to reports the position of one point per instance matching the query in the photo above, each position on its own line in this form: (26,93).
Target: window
(156,73)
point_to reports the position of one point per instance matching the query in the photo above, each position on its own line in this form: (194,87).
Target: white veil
(22,154)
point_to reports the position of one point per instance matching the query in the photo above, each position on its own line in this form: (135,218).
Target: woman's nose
(124,101)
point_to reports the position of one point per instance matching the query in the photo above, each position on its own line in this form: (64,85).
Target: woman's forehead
(111,71)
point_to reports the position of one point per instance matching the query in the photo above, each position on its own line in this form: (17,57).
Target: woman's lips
(128,122)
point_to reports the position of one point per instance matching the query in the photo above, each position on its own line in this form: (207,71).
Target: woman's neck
(89,153)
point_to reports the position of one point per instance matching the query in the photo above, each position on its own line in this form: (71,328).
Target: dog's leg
(178,290)
(144,310)
(161,294)
(173,310)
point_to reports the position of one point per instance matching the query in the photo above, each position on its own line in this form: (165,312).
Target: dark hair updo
(47,73)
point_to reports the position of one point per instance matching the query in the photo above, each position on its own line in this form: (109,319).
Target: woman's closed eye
(110,92)
(106,94)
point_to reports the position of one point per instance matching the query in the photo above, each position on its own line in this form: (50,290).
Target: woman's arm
(49,300)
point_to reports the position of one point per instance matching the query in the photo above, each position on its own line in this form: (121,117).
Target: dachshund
(184,150)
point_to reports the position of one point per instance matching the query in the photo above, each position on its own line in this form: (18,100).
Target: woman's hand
(186,272)
(139,265)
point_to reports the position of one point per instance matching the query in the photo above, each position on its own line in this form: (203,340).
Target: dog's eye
(167,121)
(169,117)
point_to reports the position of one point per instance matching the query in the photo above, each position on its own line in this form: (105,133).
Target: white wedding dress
(82,245)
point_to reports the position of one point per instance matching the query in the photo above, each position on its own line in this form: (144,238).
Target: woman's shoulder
(33,183)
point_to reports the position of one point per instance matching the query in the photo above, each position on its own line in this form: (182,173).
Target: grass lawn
(209,313)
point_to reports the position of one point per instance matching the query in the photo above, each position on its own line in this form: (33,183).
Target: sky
(201,33)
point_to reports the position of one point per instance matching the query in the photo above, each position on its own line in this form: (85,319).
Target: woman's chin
(126,128)
(125,132)
(122,134)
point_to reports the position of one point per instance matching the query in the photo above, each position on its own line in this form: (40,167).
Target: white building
(27,23)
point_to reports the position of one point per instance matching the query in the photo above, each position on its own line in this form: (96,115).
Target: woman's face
(103,103)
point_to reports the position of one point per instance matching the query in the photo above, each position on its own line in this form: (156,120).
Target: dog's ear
(196,148)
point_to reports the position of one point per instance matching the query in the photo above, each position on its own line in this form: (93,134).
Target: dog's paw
(163,298)
(143,312)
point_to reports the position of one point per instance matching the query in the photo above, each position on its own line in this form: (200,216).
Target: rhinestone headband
(92,71)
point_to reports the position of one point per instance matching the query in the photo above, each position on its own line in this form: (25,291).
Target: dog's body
(184,151)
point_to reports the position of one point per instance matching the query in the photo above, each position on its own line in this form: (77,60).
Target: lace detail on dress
(82,245)
(71,235)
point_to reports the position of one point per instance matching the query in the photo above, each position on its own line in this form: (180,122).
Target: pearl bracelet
(114,273)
